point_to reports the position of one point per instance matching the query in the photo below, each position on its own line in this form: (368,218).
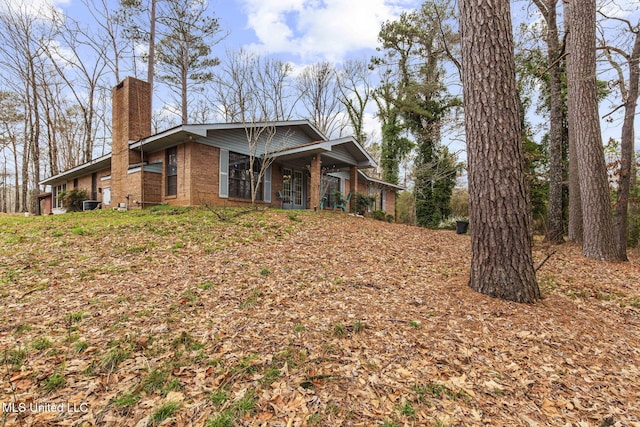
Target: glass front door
(293,189)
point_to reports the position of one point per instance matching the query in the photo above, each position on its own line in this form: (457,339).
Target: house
(197,164)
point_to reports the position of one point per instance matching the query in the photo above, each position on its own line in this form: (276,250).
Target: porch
(303,176)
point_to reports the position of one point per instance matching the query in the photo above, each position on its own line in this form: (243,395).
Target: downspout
(141,174)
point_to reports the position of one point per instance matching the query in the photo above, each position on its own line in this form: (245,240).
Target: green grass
(41,344)
(14,357)
(126,400)
(339,330)
(219,397)
(270,375)
(235,411)
(206,285)
(167,410)
(75,317)
(80,346)
(78,231)
(22,328)
(222,419)
(407,410)
(54,382)
(113,358)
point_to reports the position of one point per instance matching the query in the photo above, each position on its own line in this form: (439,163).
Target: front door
(293,189)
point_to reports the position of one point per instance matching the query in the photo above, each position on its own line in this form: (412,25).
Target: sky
(306,31)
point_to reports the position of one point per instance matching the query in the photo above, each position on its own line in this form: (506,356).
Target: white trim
(105,178)
(267,185)
(223,181)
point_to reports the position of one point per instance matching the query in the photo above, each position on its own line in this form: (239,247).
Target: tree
(584,126)
(136,15)
(11,117)
(414,99)
(629,93)
(355,93)
(555,229)
(81,74)
(501,259)
(184,51)
(253,91)
(22,37)
(319,94)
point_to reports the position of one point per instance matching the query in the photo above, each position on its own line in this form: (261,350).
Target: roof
(334,150)
(340,151)
(94,165)
(381,182)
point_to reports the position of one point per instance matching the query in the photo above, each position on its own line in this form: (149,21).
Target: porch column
(353,187)
(316,172)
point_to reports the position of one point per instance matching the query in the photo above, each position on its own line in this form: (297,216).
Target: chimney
(131,121)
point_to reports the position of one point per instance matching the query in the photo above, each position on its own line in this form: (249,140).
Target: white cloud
(43,9)
(320,29)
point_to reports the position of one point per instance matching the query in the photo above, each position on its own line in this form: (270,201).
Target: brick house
(197,164)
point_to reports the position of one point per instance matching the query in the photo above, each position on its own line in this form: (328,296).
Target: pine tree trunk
(584,125)
(555,229)
(575,229)
(626,152)
(501,260)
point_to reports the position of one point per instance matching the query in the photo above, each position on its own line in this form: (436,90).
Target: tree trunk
(501,260)
(575,229)
(584,125)
(152,49)
(555,229)
(626,151)
(35,140)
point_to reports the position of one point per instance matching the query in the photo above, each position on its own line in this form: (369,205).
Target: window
(330,185)
(56,191)
(172,171)
(240,178)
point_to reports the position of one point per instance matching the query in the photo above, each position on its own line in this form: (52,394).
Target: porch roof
(342,152)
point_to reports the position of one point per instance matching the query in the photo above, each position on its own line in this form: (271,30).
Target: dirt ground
(299,319)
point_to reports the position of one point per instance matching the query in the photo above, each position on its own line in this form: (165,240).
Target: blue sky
(307,31)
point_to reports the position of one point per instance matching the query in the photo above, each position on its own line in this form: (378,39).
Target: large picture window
(172,171)
(240,178)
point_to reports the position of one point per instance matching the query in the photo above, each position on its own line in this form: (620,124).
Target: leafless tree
(320,96)
(22,35)
(628,87)
(81,72)
(355,94)
(255,91)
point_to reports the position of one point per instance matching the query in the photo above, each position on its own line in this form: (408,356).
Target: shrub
(380,215)
(72,199)
(363,202)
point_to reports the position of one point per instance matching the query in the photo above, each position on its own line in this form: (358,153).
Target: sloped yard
(174,317)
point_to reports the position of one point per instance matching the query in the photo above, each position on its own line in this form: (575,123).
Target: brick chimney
(131,121)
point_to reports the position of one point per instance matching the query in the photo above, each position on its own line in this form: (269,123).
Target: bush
(72,199)
(363,201)
(379,215)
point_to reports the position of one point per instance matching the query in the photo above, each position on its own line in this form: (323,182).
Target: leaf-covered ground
(174,317)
